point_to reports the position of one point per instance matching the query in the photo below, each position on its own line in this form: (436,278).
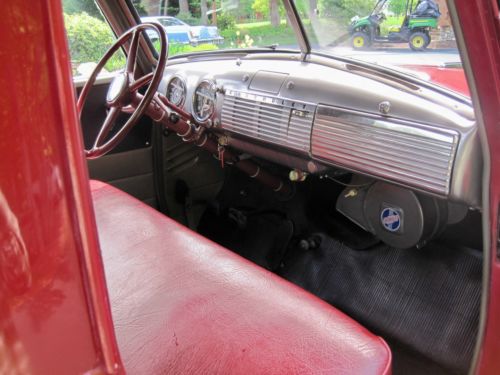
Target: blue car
(180,32)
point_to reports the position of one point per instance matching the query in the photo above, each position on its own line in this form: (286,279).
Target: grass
(177,49)
(261,33)
(251,25)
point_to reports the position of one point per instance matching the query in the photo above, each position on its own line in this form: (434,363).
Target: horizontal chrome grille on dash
(413,154)
(279,121)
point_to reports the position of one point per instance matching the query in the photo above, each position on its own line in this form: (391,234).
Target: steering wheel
(122,91)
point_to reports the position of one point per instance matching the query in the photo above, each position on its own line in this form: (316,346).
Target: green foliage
(225,21)
(89,38)
(345,9)
(355,7)
(328,8)
(139,7)
(244,10)
(398,7)
(79,6)
(262,7)
(303,8)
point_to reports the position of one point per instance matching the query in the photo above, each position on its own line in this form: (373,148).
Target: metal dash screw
(384,107)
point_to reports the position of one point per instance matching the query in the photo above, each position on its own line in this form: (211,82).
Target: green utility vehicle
(414,30)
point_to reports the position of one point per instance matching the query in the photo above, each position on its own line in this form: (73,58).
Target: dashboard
(317,115)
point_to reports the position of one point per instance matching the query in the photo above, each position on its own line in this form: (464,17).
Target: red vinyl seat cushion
(182,304)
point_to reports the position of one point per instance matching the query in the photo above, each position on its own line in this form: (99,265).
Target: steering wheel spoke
(108,124)
(141,82)
(132,53)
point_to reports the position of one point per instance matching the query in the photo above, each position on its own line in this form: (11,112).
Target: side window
(89,37)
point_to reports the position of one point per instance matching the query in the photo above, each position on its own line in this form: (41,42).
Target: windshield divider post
(298,27)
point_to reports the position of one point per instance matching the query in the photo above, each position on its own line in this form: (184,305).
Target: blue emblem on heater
(391,219)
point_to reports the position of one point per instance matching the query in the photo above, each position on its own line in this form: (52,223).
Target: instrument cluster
(176,91)
(203,101)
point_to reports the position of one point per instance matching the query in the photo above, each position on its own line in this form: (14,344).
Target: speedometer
(204,101)
(176,91)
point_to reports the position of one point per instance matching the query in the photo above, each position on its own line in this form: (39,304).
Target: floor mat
(424,302)
(261,237)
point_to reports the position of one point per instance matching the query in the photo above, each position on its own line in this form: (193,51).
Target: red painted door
(54,317)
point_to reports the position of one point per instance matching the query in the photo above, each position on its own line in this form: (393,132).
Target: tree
(203,11)
(152,7)
(184,7)
(275,12)
(313,4)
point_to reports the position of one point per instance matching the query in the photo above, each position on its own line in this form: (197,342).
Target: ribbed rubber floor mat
(425,300)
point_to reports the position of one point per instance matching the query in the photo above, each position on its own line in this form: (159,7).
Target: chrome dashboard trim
(413,154)
(270,119)
(322,81)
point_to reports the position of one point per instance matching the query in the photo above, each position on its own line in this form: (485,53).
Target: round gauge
(176,91)
(204,101)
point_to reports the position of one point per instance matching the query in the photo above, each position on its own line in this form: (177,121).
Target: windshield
(411,36)
(381,28)
(407,35)
(203,25)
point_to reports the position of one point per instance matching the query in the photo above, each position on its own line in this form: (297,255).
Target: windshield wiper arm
(273,46)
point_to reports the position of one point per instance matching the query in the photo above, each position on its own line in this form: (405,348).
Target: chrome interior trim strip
(414,154)
(275,120)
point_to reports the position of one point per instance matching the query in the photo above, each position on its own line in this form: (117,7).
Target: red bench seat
(182,304)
